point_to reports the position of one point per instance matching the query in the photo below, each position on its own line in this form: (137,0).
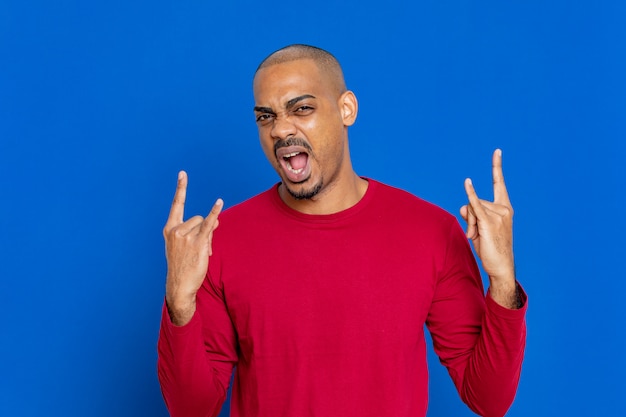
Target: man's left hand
(490,228)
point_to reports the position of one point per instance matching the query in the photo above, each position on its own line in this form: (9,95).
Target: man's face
(301,126)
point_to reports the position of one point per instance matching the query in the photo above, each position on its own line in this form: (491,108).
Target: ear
(349,108)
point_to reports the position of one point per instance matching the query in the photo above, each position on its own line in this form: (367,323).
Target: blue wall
(101,103)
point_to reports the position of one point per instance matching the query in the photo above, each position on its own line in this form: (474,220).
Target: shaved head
(325,61)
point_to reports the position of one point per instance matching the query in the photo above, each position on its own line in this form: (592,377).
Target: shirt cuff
(504,312)
(183,330)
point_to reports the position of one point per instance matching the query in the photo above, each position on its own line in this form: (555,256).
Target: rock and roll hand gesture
(490,228)
(187,249)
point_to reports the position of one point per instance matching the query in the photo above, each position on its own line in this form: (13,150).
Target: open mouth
(295,163)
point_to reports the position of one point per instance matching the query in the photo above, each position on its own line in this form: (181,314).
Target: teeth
(286,159)
(295,171)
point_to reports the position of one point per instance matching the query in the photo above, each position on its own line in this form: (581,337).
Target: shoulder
(254,203)
(416,223)
(254,215)
(405,204)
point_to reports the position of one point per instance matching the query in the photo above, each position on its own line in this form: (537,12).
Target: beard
(306,193)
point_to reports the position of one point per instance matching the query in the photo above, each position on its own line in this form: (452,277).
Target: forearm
(493,369)
(189,384)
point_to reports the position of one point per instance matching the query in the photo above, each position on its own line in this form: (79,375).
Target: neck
(333,198)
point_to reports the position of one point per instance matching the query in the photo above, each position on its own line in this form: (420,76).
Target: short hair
(324,60)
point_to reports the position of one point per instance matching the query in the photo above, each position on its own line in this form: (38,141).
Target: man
(318,289)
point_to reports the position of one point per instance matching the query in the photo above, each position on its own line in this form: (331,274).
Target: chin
(305,193)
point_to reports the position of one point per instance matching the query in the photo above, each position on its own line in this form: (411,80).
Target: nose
(282,128)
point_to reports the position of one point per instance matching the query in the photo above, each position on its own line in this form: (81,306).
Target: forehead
(281,82)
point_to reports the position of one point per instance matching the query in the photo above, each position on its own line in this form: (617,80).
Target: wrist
(504,291)
(180,309)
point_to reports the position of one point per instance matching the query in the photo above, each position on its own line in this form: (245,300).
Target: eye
(303,110)
(264,118)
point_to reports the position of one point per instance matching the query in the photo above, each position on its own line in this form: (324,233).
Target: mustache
(292,141)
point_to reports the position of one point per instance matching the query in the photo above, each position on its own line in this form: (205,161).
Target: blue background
(101,103)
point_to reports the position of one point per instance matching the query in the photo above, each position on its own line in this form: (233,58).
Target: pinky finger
(210,222)
(472,224)
(471,192)
(217,223)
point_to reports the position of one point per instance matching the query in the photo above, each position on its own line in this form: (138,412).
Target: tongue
(298,161)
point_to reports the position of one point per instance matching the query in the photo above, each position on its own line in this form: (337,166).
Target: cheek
(268,149)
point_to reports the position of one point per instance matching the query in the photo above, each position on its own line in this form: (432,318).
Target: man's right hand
(187,249)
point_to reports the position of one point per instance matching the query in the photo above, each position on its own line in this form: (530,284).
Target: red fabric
(324,315)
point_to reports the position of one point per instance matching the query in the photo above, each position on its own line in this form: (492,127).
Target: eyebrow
(293,101)
(263,109)
(290,103)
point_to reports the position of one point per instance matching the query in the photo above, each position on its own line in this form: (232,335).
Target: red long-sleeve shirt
(323,315)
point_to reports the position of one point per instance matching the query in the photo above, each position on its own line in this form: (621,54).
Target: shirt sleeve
(195,361)
(480,342)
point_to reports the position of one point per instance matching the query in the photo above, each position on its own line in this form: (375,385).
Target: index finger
(500,194)
(177,211)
